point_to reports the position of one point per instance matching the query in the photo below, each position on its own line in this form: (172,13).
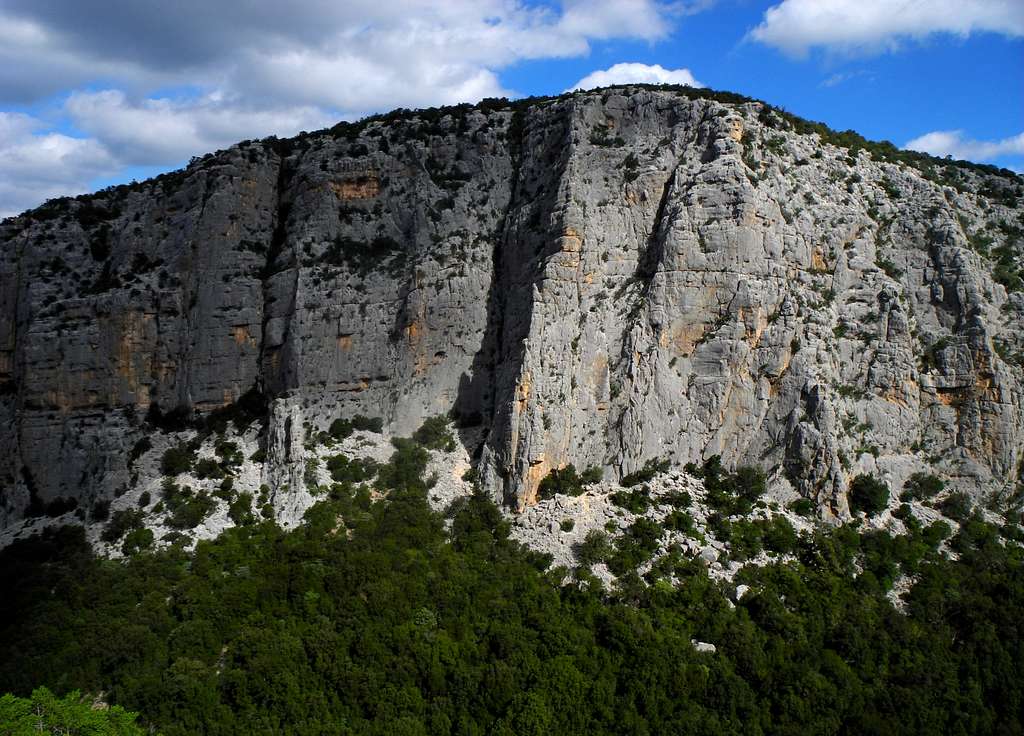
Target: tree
(868,494)
(72,715)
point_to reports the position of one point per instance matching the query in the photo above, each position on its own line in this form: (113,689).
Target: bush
(137,540)
(342,428)
(732,493)
(922,486)
(60,506)
(226,489)
(651,468)
(566,525)
(868,494)
(186,508)
(636,501)
(956,506)
(635,546)
(435,434)
(229,453)
(122,522)
(177,460)
(678,499)
(680,521)
(346,470)
(779,535)
(802,507)
(240,510)
(208,468)
(595,547)
(144,500)
(567,482)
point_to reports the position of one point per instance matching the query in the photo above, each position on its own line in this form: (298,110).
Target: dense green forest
(374,618)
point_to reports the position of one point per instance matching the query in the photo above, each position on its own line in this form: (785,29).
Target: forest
(385,617)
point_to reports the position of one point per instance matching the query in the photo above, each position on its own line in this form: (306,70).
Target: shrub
(868,494)
(921,486)
(228,452)
(144,500)
(651,468)
(746,538)
(779,535)
(60,506)
(435,434)
(226,489)
(635,546)
(956,506)
(680,521)
(802,507)
(591,475)
(636,501)
(240,510)
(566,525)
(208,468)
(342,428)
(137,540)
(177,460)
(344,469)
(567,481)
(678,500)
(595,547)
(122,522)
(187,508)
(732,493)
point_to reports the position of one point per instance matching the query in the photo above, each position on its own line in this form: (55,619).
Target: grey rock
(719,283)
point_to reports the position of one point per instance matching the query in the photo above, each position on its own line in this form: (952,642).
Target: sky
(100,92)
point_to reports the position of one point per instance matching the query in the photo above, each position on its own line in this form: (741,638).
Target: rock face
(601,279)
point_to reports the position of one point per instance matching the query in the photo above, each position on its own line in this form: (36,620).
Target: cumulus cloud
(954,143)
(634,73)
(858,26)
(238,69)
(237,44)
(36,165)
(151,132)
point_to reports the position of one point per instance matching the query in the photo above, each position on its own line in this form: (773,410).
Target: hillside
(602,279)
(640,410)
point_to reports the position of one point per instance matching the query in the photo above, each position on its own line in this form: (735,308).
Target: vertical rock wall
(599,279)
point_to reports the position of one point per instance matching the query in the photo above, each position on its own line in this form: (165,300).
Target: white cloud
(614,19)
(35,165)
(240,69)
(634,73)
(858,26)
(152,132)
(840,77)
(954,143)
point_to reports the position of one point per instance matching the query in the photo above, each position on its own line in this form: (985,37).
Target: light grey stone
(744,290)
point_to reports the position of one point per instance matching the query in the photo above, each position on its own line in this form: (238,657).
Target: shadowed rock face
(598,279)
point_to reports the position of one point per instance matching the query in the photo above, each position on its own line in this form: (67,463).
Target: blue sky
(95,92)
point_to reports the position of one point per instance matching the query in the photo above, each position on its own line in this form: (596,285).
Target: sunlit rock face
(597,279)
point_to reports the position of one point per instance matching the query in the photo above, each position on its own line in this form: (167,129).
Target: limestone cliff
(600,278)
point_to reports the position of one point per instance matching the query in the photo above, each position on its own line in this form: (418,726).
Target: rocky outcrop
(601,279)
